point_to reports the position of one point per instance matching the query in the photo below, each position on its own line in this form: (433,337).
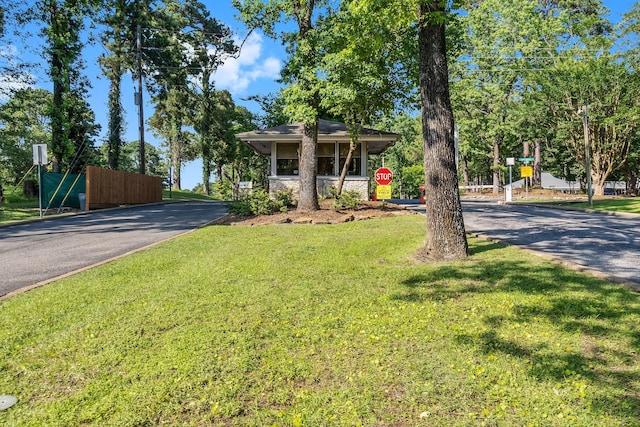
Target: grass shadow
(573,303)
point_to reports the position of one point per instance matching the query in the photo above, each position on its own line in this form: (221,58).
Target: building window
(355,168)
(326,159)
(287,159)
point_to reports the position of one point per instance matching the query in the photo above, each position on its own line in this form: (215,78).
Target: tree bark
(116,119)
(537,163)
(58,77)
(465,171)
(308,160)
(446,238)
(345,168)
(496,167)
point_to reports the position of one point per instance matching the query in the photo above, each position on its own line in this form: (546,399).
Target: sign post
(39,159)
(526,171)
(508,195)
(383,177)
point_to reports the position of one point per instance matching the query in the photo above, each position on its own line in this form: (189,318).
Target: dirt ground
(326,215)
(368,209)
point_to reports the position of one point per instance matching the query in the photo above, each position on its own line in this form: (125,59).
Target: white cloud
(10,82)
(237,74)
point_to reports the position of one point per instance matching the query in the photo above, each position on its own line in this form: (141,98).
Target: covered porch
(282,145)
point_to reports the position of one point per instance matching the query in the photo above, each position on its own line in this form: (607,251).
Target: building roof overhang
(328,131)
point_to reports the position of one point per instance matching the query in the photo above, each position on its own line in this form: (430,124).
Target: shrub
(260,202)
(332,193)
(283,200)
(348,200)
(241,207)
(222,189)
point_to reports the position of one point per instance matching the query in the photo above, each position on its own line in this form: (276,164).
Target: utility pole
(587,151)
(139,102)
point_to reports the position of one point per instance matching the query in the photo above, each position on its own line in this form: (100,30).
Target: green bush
(260,202)
(332,193)
(283,200)
(222,189)
(241,207)
(348,200)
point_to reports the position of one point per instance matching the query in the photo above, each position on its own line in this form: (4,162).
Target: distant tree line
(176,45)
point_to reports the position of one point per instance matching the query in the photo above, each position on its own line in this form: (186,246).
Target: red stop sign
(383,176)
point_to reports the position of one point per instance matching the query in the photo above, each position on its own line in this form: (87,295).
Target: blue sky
(253,72)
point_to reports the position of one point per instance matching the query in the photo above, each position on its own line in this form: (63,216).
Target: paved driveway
(599,241)
(596,241)
(40,251)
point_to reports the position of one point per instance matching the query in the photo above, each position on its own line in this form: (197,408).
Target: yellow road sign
(383,192)
(526,171)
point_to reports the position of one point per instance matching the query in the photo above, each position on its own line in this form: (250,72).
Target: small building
(282,145)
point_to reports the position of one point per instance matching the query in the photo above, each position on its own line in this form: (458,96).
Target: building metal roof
(328,131)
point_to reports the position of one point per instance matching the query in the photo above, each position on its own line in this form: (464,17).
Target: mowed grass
(630,204)
(16,207)
(330,325)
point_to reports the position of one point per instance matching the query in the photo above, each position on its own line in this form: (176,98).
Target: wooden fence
(107,188)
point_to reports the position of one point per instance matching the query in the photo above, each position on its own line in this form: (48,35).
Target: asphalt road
(605,243)
(38,252)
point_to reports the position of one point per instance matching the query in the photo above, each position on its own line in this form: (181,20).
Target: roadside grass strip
(629,205)
(331,325)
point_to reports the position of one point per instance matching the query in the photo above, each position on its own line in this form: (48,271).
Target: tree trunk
(537,163)
(446,237)
(176,163)
(308,198)
(206,177)
(115,115)
(465,171)
(205,127)
(496,167)
(175,185)
(345,168)
(632,180)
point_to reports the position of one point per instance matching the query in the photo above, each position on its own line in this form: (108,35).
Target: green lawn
(16,207)
(631,205)
(330,325)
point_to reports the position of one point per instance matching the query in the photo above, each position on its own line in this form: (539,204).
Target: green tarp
(68,191)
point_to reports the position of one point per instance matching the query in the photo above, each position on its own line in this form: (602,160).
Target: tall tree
(608,90)
(121,19)
(446,237)
(362,79)
(173,107)
(165,57)
(64,21)
(211,42)
(303,93)
(23,121)
(499,67)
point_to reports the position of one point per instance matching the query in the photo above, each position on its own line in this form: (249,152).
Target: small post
(40,191)
(509,194)
(40,157)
